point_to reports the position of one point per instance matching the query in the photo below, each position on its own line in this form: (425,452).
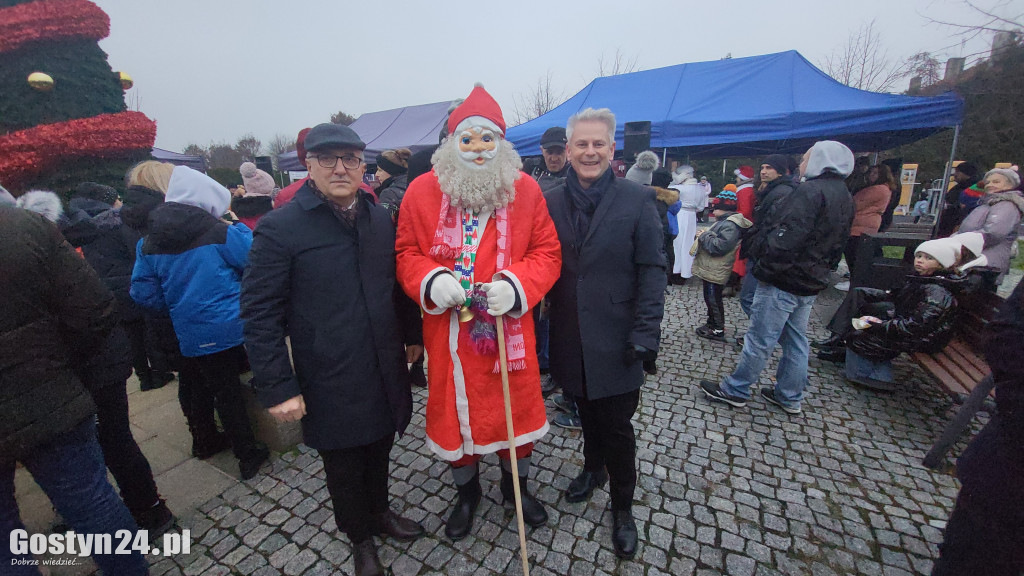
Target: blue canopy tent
(413,127)
(195,162)
(750,107)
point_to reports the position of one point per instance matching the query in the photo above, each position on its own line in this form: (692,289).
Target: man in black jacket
(803,242)
(606,310)
(776,184)
(322,273)
(55,312)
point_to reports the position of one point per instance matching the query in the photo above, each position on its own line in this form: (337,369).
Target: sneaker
(713,392)
(769,395)
(562,403)
(568,420)
(547,385)
(843,286)
(710,333)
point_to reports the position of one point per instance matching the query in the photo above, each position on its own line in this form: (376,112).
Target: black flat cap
(553,137)
(330,135)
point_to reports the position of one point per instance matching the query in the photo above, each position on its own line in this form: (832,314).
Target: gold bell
(465,314)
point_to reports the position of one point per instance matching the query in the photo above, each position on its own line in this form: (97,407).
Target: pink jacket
(869,205)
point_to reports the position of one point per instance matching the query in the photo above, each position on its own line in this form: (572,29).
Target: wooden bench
(960,370)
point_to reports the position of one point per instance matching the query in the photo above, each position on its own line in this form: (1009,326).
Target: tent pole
(664,156)
(945,177)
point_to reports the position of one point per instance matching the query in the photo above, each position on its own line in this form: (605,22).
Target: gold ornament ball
(126,80)
(40,81)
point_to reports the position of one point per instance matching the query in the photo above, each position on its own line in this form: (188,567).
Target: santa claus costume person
(745,195)
(475,241)
(692,199)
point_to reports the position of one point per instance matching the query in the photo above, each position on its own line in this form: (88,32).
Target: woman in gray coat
(998,217)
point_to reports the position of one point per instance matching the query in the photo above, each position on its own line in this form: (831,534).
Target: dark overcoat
(611,292)
(333,293)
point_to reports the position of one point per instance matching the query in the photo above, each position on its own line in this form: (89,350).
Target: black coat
(766,203)
(993,464)
(611,292)
(333,293)
(391,192)
(54,311)
(805,236)
(923,318)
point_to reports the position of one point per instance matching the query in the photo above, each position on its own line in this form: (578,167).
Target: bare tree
(249,146)
(620,64)
(225,156)
(540,100)
(342,118)
(196,150)
(926,67)
(984,20)
(864,63)
(280,144)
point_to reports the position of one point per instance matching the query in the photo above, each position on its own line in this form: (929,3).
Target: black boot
(364,559)
(624,534)
(156,519)
(832,342)
(534,513)
(460,521)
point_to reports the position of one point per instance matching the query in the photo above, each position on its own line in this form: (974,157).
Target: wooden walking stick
(512,442)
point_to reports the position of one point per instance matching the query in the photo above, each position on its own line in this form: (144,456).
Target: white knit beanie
(945,250)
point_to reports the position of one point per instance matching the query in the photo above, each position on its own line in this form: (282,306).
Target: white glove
(501,297)
(446,292)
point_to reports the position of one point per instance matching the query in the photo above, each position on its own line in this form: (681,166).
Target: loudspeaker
(636,138)
(264,163)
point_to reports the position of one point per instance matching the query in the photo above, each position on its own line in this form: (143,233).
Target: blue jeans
(776,317)
(70,470)
(859,367)
(748,288)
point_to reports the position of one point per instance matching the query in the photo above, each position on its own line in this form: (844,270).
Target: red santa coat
(744,205)
(465,407)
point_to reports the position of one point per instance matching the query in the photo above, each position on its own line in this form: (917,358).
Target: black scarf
(585,202)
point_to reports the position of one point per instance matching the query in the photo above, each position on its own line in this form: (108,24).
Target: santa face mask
(477,146)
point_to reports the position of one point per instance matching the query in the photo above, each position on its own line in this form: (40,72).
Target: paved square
(837,490)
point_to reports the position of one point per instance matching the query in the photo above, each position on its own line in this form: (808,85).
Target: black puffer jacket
(391,193)
(804,235)
(53,305)
(765,204)
(96,228)
(923,319)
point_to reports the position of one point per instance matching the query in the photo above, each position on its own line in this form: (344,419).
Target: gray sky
(212,70)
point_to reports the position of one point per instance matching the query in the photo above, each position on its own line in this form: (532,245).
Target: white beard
(477,187)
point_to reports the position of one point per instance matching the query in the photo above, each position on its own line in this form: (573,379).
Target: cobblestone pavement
(838,490)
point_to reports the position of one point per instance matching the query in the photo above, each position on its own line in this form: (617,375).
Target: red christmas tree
(57,133)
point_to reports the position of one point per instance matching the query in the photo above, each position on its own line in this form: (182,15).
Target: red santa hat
(478,103)
(744,173)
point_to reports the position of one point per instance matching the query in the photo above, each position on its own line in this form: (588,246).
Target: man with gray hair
(606,310)
(804,239)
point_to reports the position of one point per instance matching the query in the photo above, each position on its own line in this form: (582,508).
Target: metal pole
(945,177)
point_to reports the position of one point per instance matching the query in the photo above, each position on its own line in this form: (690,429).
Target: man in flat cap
(552,171)
(322,273)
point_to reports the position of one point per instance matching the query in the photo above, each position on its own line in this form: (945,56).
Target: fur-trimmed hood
(1008,196)
(42,202)
(666,195)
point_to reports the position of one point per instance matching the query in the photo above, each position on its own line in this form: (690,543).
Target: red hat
(300,144)
(745,172)
(479,103)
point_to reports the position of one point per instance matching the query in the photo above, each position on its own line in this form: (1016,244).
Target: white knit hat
(945,250)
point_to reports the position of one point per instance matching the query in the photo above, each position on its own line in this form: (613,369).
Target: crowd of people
(329,290)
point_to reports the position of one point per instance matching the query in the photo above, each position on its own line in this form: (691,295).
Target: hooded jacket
(806,235)
(250,208)
(716,248)
(391,192)
(53,305)
(997,217)
(190,264)
(923,319)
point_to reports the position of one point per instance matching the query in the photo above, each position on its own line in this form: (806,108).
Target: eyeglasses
(330,161)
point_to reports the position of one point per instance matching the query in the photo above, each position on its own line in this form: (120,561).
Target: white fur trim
(520,440)
(425,303)
(519,289)
(461,400)
(477,122)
